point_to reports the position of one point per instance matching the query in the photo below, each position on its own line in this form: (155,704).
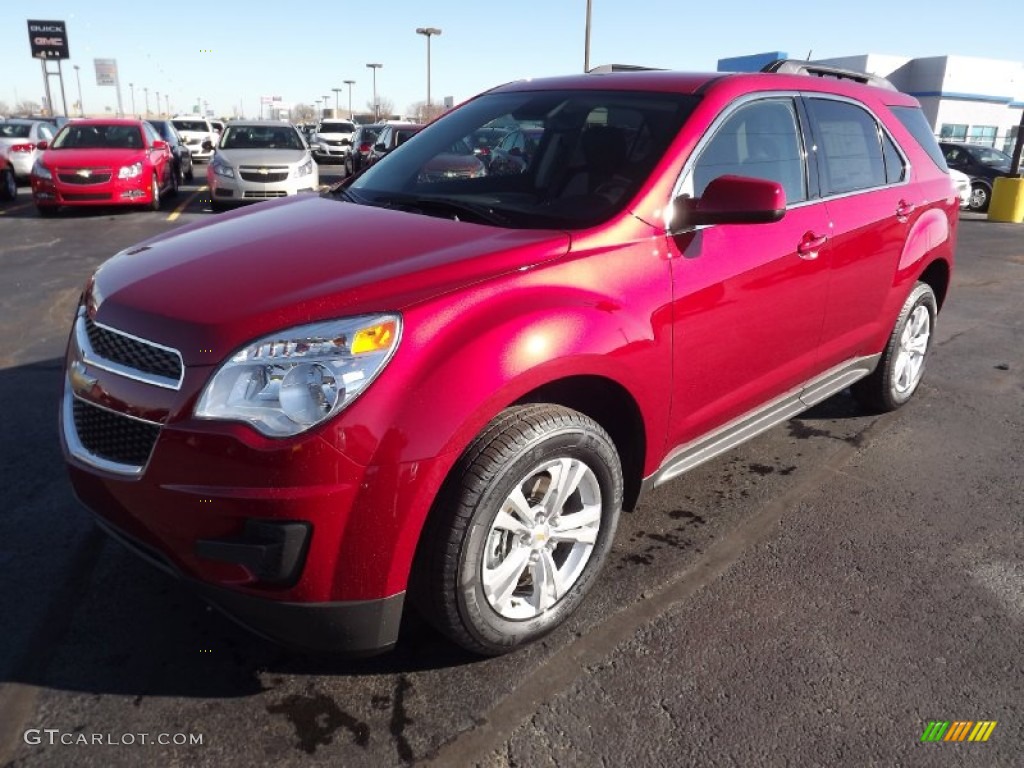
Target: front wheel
(8,185)
(901,368)
(154,183)
(520,530)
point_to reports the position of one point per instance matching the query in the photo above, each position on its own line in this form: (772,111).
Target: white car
(333,140)
(196,132)
(260,160)
(962,184)
(19,139)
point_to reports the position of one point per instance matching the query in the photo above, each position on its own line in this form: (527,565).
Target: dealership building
(964,98)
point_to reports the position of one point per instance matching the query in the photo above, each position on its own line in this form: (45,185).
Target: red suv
(449,387)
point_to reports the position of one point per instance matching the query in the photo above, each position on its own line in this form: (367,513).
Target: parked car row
(983,165)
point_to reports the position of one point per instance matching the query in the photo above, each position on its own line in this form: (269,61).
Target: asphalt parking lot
(816,597)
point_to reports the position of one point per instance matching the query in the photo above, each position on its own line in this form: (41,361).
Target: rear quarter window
(914,121)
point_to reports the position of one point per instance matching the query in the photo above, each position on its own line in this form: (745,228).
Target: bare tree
(303,113)
(26,107)
(422,114)
(385,106)
(4,109)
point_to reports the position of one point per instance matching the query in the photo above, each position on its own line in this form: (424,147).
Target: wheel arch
(937,275)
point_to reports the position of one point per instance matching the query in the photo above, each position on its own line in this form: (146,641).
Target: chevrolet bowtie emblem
(85,173)
(264,171)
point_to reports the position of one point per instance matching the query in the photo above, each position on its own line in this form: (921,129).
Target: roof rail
(603,68)
(797,67)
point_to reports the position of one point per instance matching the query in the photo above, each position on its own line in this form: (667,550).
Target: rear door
(749,299)
(864,178)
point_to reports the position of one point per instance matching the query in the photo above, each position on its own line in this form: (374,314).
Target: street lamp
(376,106)
(350,83)
(428,32)
(147,101)
(78,77)
(158,103)
(586,43)
(131,87)
(336,92)
(167,101)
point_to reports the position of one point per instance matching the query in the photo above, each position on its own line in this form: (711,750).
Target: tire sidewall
(490,628)
(922,295)
(9,189)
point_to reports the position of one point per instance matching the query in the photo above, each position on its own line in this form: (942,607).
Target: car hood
(91,158)
(209,288)
(262,156)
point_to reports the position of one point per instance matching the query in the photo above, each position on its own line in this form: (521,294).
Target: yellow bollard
(1007,203)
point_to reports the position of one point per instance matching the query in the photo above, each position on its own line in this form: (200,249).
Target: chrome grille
(133,353)
(262,195)
(265,178)
(93,177)
(113,436)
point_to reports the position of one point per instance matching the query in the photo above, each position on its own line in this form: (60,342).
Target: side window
(151,134)
(850,151)
(895,170)
(760,140)
(46,132)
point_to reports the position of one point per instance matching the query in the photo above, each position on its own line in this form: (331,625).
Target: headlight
(305,169)
(287,382)
(41,171)
(130,171)
(222,169)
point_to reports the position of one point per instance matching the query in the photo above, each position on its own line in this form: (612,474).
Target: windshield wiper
(443,206)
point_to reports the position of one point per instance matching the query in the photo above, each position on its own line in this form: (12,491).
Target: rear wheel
(8,185)
(47,210)
(173,191)
(901,368)
(979,198)
(521,529)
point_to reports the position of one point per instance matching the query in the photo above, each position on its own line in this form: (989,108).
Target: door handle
(810,245)
(904,209)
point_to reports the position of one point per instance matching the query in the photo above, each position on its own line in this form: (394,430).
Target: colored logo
(958,730)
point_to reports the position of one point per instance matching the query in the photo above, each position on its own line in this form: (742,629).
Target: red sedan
(103,162)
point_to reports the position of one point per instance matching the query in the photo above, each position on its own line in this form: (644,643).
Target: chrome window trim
(90,356)
(733,106)
(83,454)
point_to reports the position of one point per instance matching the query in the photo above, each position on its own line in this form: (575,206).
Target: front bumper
(237,190)
(22,163)
(53,192)
(323,149)
(355,627)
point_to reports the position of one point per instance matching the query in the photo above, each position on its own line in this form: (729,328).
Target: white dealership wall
(954,90)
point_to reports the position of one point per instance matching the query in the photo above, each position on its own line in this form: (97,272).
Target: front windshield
(77,136)
(199,126)
(261,137)
(993,158)
(560,159)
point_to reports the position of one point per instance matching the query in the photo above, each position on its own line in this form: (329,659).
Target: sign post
(106,74)
(49,40)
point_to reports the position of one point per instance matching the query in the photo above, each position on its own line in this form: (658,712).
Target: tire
(980,195)
(175,181)
(47,210)
(191,171)
(498,540)
(8,184)
(901,368)
(154,204)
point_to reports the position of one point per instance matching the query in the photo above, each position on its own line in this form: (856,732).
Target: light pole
(428,32)
(158,103)
(147,101)
(376,106)
(586,43)
(319,114)
(350,83)
(336,92)
(167,101)
(131,87)
(78,77)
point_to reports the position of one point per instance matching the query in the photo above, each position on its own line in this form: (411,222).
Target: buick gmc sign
(49,39)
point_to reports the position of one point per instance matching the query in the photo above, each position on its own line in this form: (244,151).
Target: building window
(1011,140)
(982,134)
(953,132)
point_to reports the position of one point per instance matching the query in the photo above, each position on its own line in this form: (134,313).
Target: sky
(229,53)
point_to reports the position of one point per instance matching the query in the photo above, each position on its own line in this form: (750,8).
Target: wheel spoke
(564,484)
(521,506)
(500,582)
(547,582)
(918,345)
(581,527)
(506,522)
(901,371)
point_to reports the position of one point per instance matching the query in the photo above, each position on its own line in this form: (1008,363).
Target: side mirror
(159,144)
(378,147)
(42,144)
(208,145)
(731,200)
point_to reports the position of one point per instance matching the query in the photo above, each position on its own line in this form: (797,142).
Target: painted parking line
(21,207)
(177,211)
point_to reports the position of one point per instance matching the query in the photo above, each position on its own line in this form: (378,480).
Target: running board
(763,418)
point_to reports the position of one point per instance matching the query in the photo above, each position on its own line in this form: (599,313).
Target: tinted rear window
(913,120)
(191,125)
(333,127)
